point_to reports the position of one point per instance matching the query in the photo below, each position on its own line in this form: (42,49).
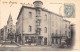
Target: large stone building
(40,26)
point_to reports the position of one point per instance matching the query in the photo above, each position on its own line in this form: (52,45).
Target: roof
(35,9)
(51,12)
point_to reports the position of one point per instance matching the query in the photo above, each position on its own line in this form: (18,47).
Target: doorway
(45,41)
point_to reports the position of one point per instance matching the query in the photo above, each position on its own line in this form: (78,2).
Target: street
(7,46)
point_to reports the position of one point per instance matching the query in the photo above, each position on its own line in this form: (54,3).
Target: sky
(51,5)
(7,8)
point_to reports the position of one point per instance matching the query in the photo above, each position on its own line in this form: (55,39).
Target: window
(66,33)
(38,22)
(45,29)
(30,14)
(38,12)
(30,28)
(46,17)
(38,31)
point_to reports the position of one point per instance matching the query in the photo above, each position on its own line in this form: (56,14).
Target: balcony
(38,31)
(38,22)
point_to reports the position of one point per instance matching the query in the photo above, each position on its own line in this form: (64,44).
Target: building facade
(40,26)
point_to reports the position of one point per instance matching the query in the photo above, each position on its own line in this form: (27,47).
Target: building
(40,26)
(72,26)
(3,33)
(8,29)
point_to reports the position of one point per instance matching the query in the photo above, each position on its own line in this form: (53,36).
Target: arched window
(30,14)
(30,28)
(45,29)
(45,17)
(38,12)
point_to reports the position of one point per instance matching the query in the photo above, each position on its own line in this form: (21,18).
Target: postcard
(39,25)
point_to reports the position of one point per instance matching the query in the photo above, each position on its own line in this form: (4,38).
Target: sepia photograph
(39,25)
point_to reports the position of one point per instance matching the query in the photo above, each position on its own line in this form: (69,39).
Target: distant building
(8,28)
(41,26)
(3,33)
